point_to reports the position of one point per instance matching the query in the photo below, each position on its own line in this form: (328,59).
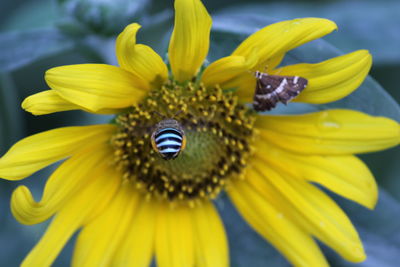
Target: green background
(39,34)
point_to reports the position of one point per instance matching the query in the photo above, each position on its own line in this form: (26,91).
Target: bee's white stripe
(166,135)
(295,80)
(169,150)
(169,143)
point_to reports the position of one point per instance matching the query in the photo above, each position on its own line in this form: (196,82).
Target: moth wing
(264,97)
(268,83)
(292,87)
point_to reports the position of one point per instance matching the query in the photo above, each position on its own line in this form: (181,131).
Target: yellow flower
(131,204)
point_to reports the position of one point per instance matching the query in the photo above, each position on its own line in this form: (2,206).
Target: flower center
(217,129)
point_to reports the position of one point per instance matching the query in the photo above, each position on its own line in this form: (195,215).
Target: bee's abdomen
(169,142)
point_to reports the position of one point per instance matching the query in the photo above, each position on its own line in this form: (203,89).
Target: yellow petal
(140,59)
(330,132)
(49,101)
(100,239)
(345,175)
(174,241)
(278,38)
(297,246)
(69,179)
(226,70)
(310,208)
(332,79)
(137,247)
(190,39)
(210,238)
(70,219)
(96,86)
(40,150)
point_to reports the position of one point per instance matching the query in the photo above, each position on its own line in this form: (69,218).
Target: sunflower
(129,204)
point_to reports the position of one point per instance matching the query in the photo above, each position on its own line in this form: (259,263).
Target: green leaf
(21,48)
(30,15)
(108,17)
(371,25)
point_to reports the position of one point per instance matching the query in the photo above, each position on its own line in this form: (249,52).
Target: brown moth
(271,89)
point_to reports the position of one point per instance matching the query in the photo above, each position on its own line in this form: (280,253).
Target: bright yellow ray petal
(311,208)
(328,81)
(99,240)
(330,132)
(190,39)
(40,150)
(49,101)
(70,218)
(137,247)
(96,86)
(332,79)
(174,237)
(278,38)
(297,246)
(225,70)
(345,175)
(211,245)
(67,180)
(138,58)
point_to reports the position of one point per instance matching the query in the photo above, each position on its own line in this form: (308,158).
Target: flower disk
(218,131)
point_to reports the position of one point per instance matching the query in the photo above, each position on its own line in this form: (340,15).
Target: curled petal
(138,58)
(49,101)
(331,132)
(68,179)
(70,218)
(332,79)
(40,150)
(96,86)
(278,38)
(190,39)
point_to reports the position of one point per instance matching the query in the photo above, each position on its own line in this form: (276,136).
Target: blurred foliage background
(36,35)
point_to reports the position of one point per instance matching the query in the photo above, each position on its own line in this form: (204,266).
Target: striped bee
(168,138)
(271,89)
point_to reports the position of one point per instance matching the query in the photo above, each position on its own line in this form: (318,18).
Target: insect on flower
(132,208)
(168,138)
(271,89)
